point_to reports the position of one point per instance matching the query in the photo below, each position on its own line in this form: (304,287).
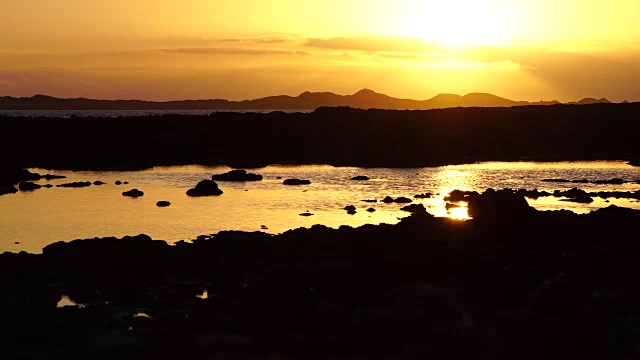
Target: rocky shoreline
(511,283)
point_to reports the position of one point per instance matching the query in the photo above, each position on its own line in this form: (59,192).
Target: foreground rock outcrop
(513,283)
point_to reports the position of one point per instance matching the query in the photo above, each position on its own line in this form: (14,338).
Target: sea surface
(31,220)
(65,114)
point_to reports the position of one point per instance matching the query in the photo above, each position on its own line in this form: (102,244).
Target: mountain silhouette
(363,99)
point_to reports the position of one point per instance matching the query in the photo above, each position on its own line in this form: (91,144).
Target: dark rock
(49,177)
(306,214)
(296,182)
(458,195)
(163,204)
(14,175)
(582,199)
(205,188)
(134,193)
(77,184)
(126,183)
(423,196)
(360,178)
(581,181)
(635,162)
(279,178)
(118,182)
(7,189)
(350,208)
(98,183)
(498,206)
(400,200)
(237,175)
(48,186)
(28,186)
(371,210)
(414,208)
(560,296)
(613,210)
(370,201)
(352,212)
(614,181)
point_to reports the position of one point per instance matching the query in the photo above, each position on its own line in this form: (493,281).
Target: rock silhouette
(75,184)
(360,178)
(237,175)
(134,193)
(205,188)
(28,186)
(163,204)
(296,182)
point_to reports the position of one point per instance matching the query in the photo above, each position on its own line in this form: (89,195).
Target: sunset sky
(240,49)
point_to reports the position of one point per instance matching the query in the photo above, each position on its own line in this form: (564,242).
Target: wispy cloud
(396,44)
(234,51)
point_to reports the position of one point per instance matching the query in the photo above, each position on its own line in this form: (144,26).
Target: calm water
(117,113)
(35,219)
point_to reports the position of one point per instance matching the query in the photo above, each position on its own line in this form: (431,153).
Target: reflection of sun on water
(460,213)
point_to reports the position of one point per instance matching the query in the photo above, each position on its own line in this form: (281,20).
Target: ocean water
(31,220)
(65,114)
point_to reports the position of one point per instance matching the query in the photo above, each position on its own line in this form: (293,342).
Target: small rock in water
(126,183)
(98,182)
(163,204)
(205,188)
(371,210)
(350,208)
(118,182)
(264,227)
(370,201)
(306,214)
(414,208)
(360,178)
(134,193)
(28,186)
(296,182)
(423,196)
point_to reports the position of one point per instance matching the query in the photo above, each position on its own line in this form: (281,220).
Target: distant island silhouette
(363,99)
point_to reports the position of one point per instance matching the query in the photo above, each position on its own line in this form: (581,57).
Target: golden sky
(239,49)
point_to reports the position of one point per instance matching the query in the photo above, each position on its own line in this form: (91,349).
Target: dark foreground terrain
(513,283)
(335,136)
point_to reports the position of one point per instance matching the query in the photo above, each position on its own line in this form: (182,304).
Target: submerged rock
(296,182)
(237,175)
(369,201)
(77,184)
(163,204)
(49,177)
(306,214)
(28,186)
(423,196)
(98,183)
(205,188)
(360,178)
(134,193)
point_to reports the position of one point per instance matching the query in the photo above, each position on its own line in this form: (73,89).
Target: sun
(456,23)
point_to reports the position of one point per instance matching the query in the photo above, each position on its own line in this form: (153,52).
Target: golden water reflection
(31,220)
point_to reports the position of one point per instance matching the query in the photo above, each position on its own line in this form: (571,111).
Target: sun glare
(457,23)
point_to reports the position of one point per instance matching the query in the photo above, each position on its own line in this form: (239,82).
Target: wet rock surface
(513,283)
